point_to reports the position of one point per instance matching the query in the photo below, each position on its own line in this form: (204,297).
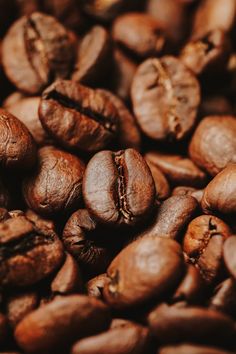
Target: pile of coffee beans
(117,176)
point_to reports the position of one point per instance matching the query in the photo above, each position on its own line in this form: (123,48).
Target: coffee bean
(178,169)
(161,183)
(102,10)
(229,256)
(171,324)
(219,195)
(56,185)
(193,192)
(172,216)
(31,50)
(168,82)
(27,253)
(213,144)
(203,244)
(95,286)
(224,298)
(191,349)
(94,55)
(77,116)
(118,187)
(17,147)
(135,339)
(58,324)
(145,269)
(40,222)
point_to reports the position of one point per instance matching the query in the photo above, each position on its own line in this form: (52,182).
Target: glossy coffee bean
(77,116)
(28,254)
(118,187)
(192,349)
(171,324)
(139,33)
(83,239)
(17,147)
(95,286)
(171,217)
(219,195)
(224,297)
(203,244)
(229,256)
(58,324)
(168,82)
(56,185)
(94,55)
(161,183)
(178,169)
(145,269)
(31,50)
(213,143)
(135,339)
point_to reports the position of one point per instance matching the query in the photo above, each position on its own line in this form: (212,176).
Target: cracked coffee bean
(118,187)
(169,83)
(203,245)
(56,185)
(78,117)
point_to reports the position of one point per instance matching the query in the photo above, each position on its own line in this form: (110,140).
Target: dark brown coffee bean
(145,269)
(118,187)
(224,297)
(61,322)
(77,116)
(229,255)
(36,50)
(129,134)
(207,53)
(213,144)
(68,279)
(168,82)
(220,194)
(20,305)
(81,237)
(27,253)
(17,147)
(193,192)
(93,57)
(215,105)
(172,216)
(95,286)
(161,183)
(178,169)
(203,244)
(102,10)
(26,110)
(139,33)
(191,349)
(124,340)
(56,185)
(171,324)
(40,222)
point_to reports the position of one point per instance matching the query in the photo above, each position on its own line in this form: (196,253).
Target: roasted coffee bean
(56,185)
(172,216)
(207,53)
(58,324)
(27,253)
(171,324)
(20,305)
(224,298)
(139,33)
(36,50)
(178,169)
(191,349)
(213,144)
(95,286)
(193,192)
(26,110)
(145,269)
(81,237)
(219,196)
(203,244)
(161,183)
(77,116)
(229,255)
(129,135)
(17,147)
(68,279)
(118,187)
(124,340)
(94,55)
(169,83)
(40,222)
